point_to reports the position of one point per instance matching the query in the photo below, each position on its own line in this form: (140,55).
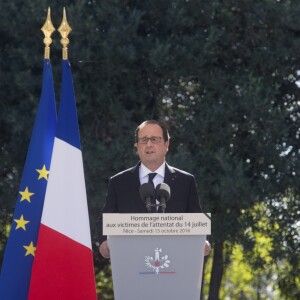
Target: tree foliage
(222,73)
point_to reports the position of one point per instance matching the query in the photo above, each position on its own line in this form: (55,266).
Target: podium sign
(161,265)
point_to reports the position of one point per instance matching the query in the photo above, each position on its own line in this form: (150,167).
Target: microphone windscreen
(147,190)
(163,191)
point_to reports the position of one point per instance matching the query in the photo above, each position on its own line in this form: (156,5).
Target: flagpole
(63,266)
(64,30)
(48,29)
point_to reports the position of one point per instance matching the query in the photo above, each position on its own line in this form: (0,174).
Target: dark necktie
(150,180)
(151,177)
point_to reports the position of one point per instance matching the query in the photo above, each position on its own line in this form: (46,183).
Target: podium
(156,256)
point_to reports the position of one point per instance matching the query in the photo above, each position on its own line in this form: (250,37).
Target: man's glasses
(153,139)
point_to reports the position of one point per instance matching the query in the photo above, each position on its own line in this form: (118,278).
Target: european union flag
(20,249)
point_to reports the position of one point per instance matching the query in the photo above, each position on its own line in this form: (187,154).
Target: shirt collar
(144,171)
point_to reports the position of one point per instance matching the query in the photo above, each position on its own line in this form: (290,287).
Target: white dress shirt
(159,178)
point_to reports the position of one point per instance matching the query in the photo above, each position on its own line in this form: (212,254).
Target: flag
(20,248)
(63,266)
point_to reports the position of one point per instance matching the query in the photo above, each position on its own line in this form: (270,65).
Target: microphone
(147,194)
(163,195)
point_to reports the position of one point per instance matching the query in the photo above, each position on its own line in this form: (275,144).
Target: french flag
(63,265)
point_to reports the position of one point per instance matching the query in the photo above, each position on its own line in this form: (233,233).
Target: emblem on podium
(158,262)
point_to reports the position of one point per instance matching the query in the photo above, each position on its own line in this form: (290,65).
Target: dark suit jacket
(123,194)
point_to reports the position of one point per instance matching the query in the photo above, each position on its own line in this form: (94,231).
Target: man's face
(152,155)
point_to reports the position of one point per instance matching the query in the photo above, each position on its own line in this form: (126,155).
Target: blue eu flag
(20,248)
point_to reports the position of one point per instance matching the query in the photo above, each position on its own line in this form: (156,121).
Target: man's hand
(104,250)
(207,248)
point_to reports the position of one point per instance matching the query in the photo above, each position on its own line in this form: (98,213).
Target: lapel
(170,176)
(139,206)
(136,177)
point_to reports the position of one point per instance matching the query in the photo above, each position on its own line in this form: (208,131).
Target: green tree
(236,115)
(222,73)
(256,272)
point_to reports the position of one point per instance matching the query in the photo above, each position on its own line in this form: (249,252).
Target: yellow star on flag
(30,249)
(43,173)
(21,222)
(26,195)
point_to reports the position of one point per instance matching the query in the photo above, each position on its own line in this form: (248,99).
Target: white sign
(157,224)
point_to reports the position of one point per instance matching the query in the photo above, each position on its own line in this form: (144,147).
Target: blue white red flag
(63,266)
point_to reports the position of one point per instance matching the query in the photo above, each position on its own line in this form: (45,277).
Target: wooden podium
(157,256)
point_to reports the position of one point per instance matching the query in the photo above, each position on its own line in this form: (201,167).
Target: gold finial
(48,29)
(64,30)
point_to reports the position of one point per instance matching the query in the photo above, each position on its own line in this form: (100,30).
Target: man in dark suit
(152,143)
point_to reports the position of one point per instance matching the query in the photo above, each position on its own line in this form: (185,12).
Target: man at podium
(123,196)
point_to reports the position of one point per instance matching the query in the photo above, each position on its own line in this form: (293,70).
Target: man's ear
(167,145)
(136,148)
